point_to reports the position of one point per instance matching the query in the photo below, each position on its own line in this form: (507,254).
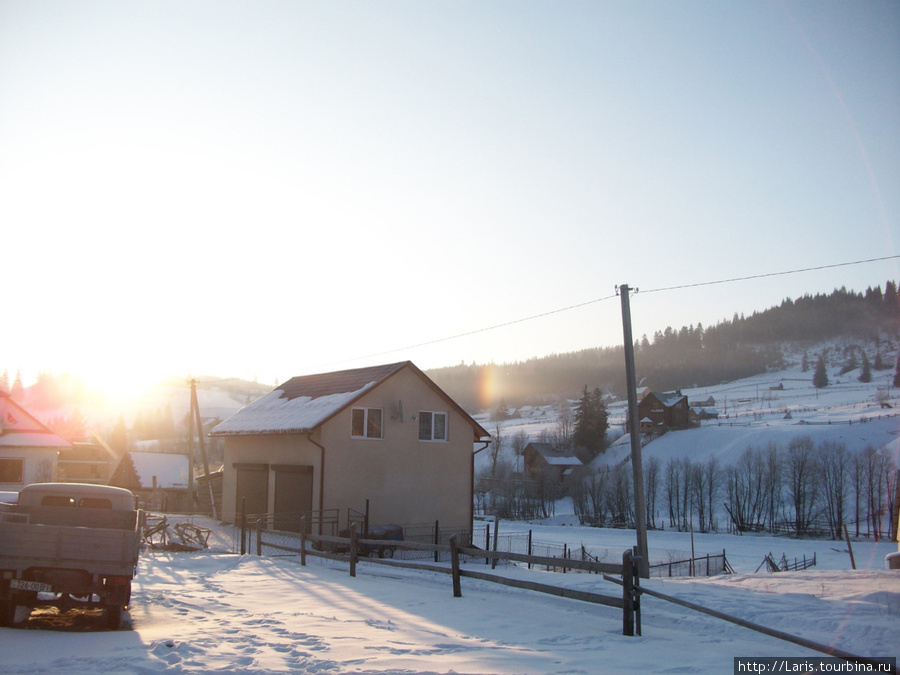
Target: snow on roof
(20,429)
(303,403)
(33,440)
(553,456)
(170,470)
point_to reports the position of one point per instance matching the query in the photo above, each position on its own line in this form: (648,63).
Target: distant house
(708,402)
(87,462)
(543,459)
(664,411)
(318,444)
(161,481)
(698,415)
(28,449)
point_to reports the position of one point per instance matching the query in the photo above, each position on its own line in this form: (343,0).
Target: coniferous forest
(691,355)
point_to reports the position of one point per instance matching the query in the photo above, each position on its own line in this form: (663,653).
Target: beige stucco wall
(405,480)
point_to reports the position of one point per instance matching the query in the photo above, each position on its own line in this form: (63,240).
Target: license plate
(37,586)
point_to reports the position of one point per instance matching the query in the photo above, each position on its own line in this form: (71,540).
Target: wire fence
(704,566)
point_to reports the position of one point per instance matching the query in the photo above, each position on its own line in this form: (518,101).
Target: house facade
(28,449)
(668,411)
(160,480)
(544,460)
(385,436)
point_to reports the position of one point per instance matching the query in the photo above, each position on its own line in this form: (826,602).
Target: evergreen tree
(18,390)
(805,363)
(119,438)
(866,374)
(820,377)
(891,306)
(4,381)
(591,423)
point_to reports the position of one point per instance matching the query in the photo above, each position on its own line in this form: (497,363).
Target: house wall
(405,480)
(39,465)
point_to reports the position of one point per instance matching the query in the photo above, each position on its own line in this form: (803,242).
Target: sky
(269,189)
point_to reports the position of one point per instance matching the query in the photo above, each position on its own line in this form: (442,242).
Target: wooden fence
(346,549)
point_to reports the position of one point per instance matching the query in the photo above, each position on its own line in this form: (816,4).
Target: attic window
(366,423)
(432,426)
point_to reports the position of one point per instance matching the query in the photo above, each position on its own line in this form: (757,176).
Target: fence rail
(333,548)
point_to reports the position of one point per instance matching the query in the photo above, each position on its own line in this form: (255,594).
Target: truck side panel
(100,551)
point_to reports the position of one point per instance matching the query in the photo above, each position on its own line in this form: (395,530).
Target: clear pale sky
(267,189)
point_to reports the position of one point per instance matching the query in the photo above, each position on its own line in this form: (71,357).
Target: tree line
(693,355)
(800,489)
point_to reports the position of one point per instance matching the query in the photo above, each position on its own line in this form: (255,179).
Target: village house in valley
(28,449)
(658,412)
(386,435)
(545,460)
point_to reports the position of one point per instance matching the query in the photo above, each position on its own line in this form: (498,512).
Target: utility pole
(640,509)
(195,415)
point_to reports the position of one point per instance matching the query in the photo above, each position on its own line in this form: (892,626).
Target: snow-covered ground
(218,612)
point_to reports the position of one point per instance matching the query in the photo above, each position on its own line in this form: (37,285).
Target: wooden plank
(586,565)
(571,593)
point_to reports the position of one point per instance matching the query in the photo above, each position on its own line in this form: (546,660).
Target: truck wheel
(386,552)
(113,616)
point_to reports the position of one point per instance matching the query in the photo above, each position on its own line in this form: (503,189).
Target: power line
(476,331)
(771,274)
(610,297)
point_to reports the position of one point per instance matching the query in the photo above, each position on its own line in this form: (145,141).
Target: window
(432,426)
(11,470)
(366,423)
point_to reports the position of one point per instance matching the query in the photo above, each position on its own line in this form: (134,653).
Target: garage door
(293,496)
(252,485)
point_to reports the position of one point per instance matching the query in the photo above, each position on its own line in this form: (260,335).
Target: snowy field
(215,612)
(218,612)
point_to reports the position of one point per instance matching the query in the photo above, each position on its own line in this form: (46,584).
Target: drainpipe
(472,486)
(321,478)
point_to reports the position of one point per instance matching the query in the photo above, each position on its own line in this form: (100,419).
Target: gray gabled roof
(554,456)
(304,403)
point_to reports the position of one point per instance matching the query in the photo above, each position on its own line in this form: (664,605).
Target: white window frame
(365,434)
(433,414)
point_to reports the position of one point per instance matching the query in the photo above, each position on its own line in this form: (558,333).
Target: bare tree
(519,441)
(713,483)
(802,480)
(565,425)
(672,487)
(496,446)
(651,487)
(834,467)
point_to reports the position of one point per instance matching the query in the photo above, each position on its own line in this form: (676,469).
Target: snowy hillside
(774,406)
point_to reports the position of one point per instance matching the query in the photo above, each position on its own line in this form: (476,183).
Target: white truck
(69,545)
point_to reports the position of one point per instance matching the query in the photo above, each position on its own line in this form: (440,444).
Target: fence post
(303,541)
(259,536)
(487,542)
(437,540)
(627,594)
(496,537)
(353,552)
(243,525)
(454,566)
(565,556)
(529,547)
(707,564)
